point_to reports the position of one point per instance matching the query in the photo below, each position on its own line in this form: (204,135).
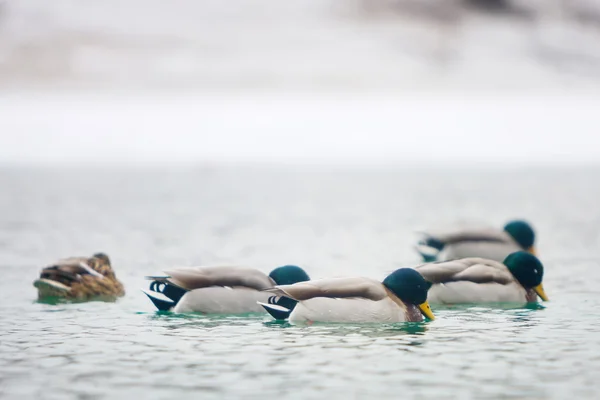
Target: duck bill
(426,310)
(532,250)
(539,290)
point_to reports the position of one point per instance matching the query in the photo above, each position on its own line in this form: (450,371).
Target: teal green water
(331,222)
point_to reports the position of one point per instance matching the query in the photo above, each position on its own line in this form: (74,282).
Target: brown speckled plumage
(75,279)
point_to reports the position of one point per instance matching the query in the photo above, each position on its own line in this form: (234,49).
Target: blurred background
(329,81)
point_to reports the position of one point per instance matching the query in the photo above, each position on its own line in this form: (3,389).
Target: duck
(219,289)
(401,297)
(518,279)
(489,243)
(80,279)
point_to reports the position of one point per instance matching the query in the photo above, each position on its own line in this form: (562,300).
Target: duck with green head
(518,279)
(80,279)
(402,296)
(487,243)
(218,290)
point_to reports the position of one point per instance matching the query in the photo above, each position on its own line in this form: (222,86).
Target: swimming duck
(402,296)
(476,280)
(491,244)
(218,290)
(80,279)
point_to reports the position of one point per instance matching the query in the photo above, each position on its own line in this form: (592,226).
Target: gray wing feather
(200,277)
(477,270)
(334,288)
(471,235)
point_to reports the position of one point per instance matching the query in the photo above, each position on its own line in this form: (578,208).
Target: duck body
(485,243)
(222,300)
(349,300)
(80,279)
(489,249)
(471,292)
(488,243)
(476,280)
(353,310)
(214,290)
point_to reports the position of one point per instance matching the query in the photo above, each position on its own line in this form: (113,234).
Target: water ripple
(107,350)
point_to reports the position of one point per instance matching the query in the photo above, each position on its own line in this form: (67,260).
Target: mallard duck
(491,244)
(80,279)
(218,290)
(477,280)
(402,296)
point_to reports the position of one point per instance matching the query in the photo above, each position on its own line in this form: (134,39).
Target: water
(330,221)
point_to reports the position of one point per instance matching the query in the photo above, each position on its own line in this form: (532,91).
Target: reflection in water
(53,301)
(61,300)
(367,330)
(170,320)
(409,327)
(490,306)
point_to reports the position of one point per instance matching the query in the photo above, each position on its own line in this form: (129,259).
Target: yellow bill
(539,289)
(532,251)
(426,310)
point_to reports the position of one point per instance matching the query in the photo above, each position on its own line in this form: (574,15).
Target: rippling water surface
(328,221)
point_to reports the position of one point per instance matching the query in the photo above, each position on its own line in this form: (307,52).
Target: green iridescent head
(522,233)
(527,270)
(410,287)
(288,275)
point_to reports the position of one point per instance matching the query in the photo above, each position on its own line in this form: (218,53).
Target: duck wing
(71,269)
(469,235)
(477,270)
(333,288)
(200,277)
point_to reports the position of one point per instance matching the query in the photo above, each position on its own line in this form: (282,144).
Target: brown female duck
(80,279)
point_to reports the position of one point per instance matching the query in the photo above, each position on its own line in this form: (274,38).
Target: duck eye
(535,271)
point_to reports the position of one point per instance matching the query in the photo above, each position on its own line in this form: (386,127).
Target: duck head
(410,287)
(528,270)
(100,263)
(288,275)
(522,233)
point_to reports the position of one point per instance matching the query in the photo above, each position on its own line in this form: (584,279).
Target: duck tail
(160,301)
(428,254)
(279,309)
(429,249)
(164,294)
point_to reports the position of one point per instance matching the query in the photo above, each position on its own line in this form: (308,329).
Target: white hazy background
(355,82)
